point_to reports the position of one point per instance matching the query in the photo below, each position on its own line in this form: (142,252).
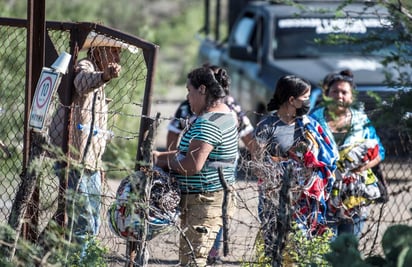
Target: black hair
(215,79)
(345,75)
(287,86)
(326,80)
(221,76)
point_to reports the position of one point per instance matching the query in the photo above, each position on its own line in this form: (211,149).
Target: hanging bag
(126,214)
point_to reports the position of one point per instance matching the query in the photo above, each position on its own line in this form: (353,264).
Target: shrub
(52,250)
(396,244)
(299,251)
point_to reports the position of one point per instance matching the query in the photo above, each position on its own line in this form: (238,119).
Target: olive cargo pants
(201,220)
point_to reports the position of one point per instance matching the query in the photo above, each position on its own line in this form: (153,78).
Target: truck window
(244,31)
(306,37)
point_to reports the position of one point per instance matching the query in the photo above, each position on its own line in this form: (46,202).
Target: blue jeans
(214,252)
(84,203)
(354,228)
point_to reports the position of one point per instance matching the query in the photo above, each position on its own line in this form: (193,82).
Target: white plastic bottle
(106,134)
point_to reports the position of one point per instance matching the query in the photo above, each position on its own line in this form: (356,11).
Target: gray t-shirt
(277,136)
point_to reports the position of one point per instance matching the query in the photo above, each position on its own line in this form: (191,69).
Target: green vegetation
(299,251)
(54,251)
(396,244)
(302,250)
(178,45)
(342,252)
(261,260)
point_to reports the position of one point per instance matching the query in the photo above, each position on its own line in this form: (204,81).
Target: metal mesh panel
(12,52)
(124,120)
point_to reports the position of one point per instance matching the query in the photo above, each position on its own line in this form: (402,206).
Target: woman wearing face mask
(356,186)
(294,163)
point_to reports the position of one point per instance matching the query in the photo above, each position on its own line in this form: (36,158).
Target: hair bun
(222,77)
(346,72)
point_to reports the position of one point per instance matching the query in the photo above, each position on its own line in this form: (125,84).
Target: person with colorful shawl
(294,161)
(360,150)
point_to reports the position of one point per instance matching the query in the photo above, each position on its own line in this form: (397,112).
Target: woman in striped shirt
(208,146)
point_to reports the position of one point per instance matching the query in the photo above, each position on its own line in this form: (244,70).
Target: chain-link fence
(38,189)
(125,119)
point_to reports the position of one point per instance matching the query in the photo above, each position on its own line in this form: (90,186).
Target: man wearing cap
(88,122)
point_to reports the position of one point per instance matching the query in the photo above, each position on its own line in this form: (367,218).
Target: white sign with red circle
(45,88)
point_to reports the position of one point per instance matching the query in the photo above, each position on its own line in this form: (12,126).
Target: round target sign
(46,88)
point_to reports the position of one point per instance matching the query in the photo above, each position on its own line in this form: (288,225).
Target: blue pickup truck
(266,40)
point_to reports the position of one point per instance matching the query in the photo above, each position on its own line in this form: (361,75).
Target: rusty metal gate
(128,120)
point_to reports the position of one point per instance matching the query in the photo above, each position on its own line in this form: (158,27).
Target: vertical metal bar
(150,58)
(217,21)
(134,249)
(225,217)
(65,96)
(207,22)
(34,64)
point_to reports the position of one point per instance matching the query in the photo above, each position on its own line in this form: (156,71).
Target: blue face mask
(304,109)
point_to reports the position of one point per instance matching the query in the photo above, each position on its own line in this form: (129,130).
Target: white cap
(94,39)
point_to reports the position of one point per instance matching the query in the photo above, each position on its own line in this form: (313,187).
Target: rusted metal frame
(84,29)
(136,250)
(34,64)
(27,197)
(150,52)
(65,97)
